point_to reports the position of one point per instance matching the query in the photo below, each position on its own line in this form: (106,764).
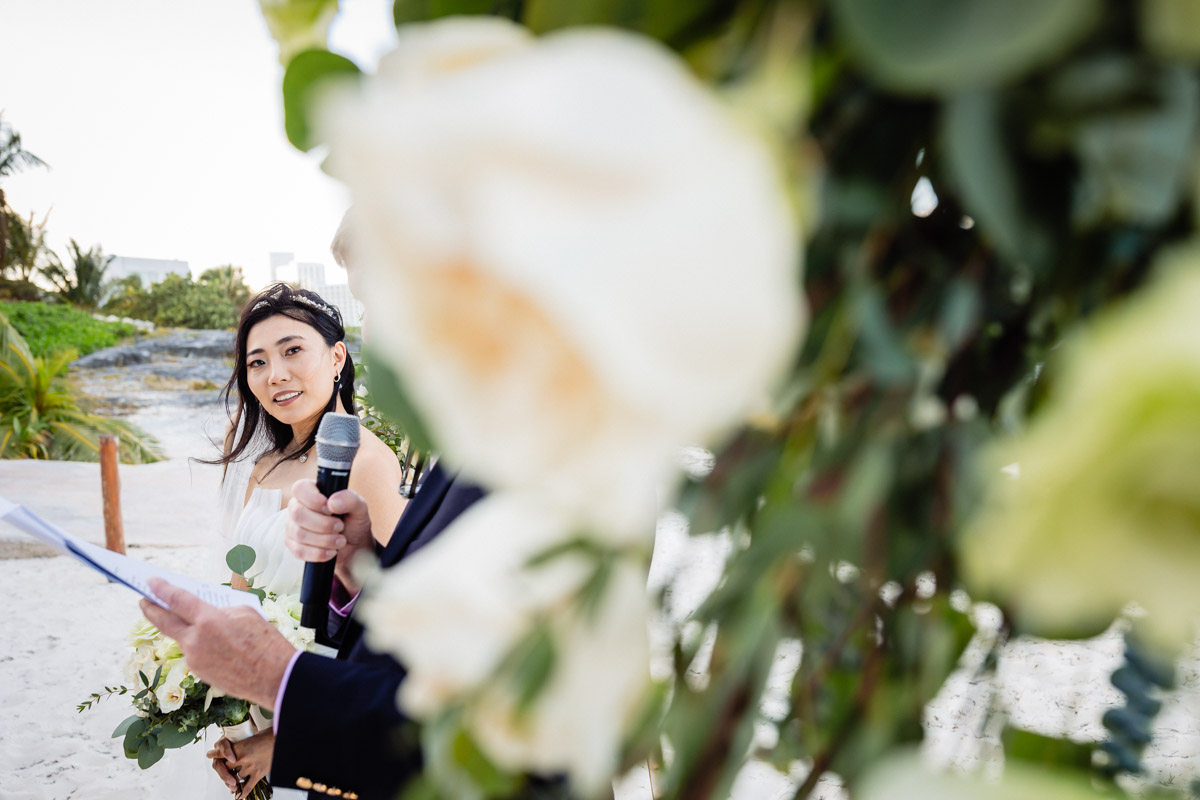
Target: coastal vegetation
(211,302)
(50,328)
(43,417)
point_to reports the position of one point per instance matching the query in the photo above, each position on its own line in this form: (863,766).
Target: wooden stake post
(110,487)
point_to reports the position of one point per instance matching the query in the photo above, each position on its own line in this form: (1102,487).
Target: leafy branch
(96,697)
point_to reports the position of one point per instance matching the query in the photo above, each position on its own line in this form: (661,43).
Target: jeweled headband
(328,310)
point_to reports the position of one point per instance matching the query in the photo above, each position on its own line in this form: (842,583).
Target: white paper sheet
(119,568)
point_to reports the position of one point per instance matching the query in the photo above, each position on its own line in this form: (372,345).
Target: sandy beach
(66,639)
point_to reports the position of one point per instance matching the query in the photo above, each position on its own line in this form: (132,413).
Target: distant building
(338,294)
(311,275)
(150,270)
(305,274)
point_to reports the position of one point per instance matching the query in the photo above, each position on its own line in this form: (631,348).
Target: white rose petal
(573,256)
(601,674)
(170,697)
(452,634)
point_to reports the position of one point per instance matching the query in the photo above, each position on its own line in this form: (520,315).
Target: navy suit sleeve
(339,726)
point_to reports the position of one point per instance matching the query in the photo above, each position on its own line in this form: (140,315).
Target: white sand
(66,640)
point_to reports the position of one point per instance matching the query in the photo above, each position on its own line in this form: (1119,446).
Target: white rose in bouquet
(170,697)
(572,255)
(141,661)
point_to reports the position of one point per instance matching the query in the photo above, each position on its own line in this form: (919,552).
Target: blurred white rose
(142,632)
(142,660)
(452,610)
(573,256)
(453,635)
(601,674)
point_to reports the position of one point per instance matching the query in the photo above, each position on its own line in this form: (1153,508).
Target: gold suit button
(303,783)
(334,792)
(319,787)
(350,796)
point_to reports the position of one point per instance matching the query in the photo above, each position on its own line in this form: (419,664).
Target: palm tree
(27,250)
(230,281)
(40,416)
(82,284)
(13,158)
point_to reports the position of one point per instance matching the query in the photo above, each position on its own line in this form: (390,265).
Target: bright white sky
(162,122)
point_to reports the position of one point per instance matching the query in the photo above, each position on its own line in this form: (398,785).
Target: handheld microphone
(337,443)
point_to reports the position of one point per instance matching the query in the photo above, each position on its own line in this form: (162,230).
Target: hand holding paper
(116,567)
(234,649)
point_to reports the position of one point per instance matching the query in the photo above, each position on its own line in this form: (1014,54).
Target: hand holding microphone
(337,444)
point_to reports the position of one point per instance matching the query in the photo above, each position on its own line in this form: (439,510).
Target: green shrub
(212,302)
(41,415)
(51,328)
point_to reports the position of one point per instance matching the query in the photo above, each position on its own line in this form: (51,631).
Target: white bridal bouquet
(172,707)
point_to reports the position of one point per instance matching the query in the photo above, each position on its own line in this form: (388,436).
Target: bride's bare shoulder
(373,453)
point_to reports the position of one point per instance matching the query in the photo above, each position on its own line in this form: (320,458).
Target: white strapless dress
(261,528)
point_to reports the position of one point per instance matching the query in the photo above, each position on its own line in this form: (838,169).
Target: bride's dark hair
(249,417)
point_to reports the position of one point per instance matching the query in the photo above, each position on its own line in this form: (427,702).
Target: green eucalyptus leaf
(305,74)
(532,663)
(406,11)
(1134,157)
(134,735)
(986,173)
(149,753)
(493,781)
(883,350)
(942,46)
(127,724)
(668,20)
(171,737)
(1034,748)
(960,312)
(392,400)
(240,558)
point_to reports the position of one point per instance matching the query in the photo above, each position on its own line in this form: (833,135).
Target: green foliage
(41,416)
(50,328)
(412,458)
(13,158)
(82,283)
(305,74)
(240,558)
(25,250)
(229,281)
(388,403)
(214,301)
(942,46)
(406,11)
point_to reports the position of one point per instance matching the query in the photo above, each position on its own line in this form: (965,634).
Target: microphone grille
(337,437)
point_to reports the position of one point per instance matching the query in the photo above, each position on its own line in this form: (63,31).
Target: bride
(291,367)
